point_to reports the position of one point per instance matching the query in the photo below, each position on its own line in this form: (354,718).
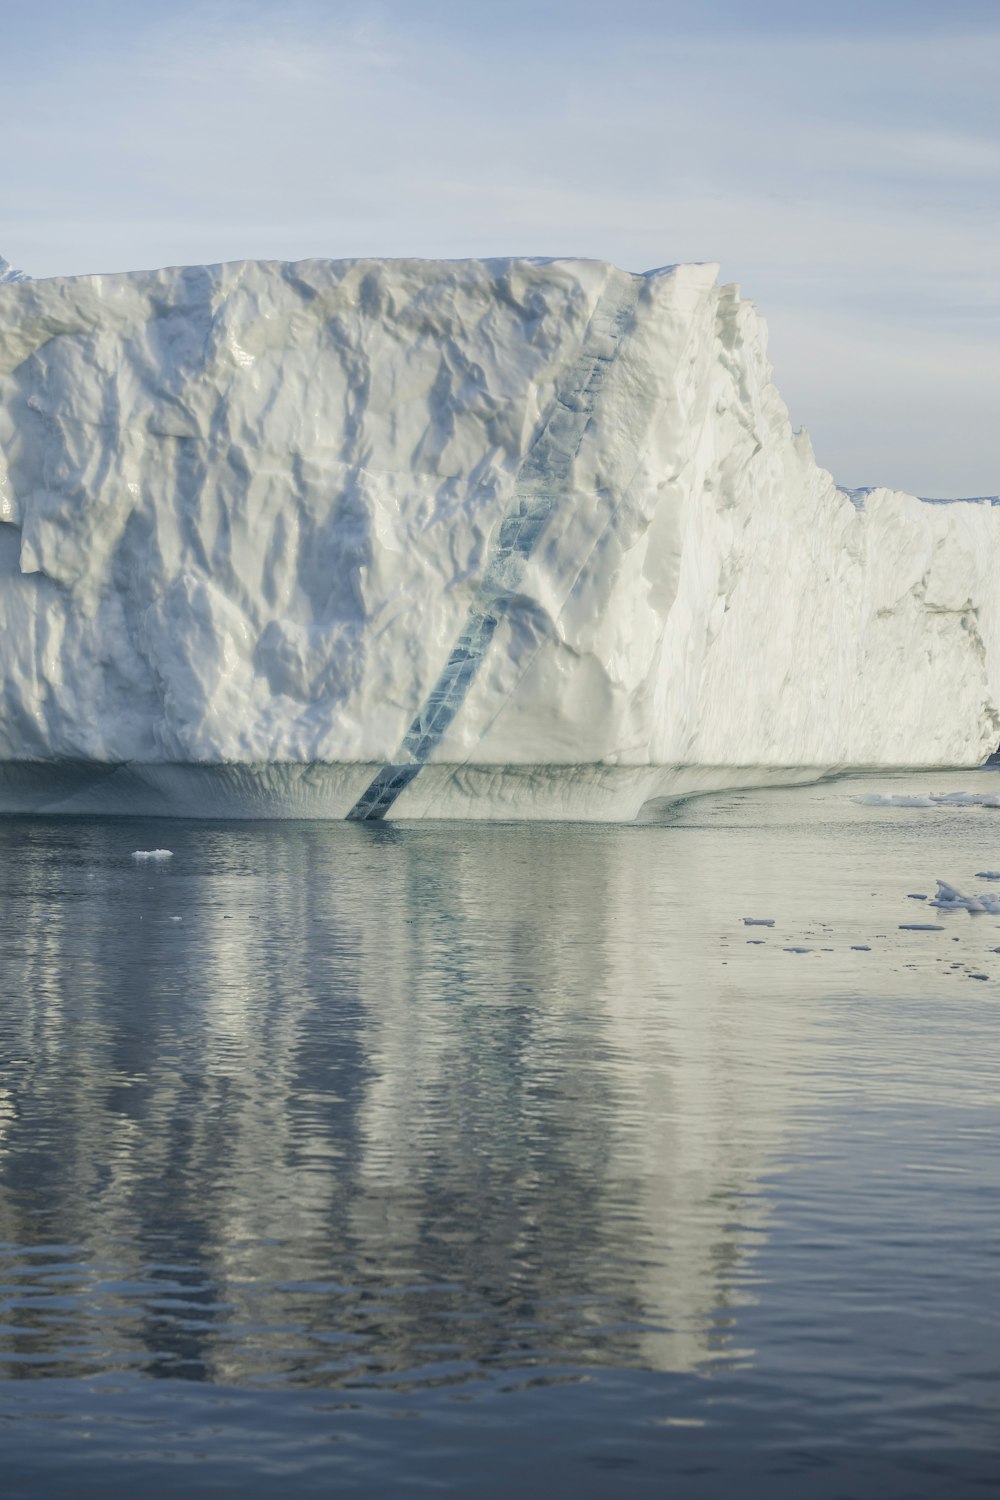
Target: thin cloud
(844,169)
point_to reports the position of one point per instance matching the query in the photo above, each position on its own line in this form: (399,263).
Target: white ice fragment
(933,799)
(155,854)
(882,799)
(950,898)
(758,921)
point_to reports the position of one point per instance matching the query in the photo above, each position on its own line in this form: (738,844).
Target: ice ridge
(9,272)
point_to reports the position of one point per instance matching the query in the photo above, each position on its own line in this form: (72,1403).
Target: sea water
(391,1159)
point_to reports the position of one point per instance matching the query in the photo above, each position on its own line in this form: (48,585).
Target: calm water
(404,1160)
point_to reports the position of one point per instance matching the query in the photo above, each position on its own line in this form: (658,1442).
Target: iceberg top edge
(492,264)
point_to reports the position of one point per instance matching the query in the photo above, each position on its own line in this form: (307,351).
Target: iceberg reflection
(384,1104)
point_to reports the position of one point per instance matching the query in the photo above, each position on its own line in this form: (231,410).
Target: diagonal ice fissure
(542,481)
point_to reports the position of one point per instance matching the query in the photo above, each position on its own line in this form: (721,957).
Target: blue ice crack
(543,479)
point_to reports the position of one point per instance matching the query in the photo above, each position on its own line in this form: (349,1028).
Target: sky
(841,162)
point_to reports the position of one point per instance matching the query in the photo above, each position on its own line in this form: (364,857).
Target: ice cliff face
(468,514)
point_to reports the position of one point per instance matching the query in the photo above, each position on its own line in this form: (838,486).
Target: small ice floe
(912,896)
(758,921)
(880,799)
(988,874)
(931,799)
(949,898)
(860,948)
(920,927)
(798,950)
(156,854)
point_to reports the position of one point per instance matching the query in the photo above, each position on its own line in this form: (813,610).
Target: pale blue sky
(841,161)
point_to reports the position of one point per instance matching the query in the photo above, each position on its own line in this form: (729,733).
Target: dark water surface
(451,1159)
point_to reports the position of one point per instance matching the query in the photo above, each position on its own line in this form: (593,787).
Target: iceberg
(509,538)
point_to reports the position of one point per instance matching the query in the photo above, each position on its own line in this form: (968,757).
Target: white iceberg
(505,538)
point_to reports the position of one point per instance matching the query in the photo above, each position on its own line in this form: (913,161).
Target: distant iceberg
(480,538)
(9,272)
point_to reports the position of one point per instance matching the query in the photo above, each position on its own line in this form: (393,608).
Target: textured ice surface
(543,526)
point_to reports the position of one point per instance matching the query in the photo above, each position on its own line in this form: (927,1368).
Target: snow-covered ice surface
(276,538)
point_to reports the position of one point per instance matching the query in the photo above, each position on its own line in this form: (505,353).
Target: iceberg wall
(489,538)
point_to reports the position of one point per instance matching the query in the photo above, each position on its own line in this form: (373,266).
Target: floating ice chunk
(920,927)
(881,799)
(932,799)
(142,854)
(758,921)
(950,898)
(988,874)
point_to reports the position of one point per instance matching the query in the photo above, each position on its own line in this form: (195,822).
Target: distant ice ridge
(9,272)
(484,538)
(858,497)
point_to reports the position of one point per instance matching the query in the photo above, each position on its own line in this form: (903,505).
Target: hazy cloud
(844,167)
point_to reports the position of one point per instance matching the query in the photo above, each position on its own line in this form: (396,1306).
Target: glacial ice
(502,539)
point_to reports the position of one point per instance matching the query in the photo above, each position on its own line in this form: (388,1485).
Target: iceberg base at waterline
(586,793)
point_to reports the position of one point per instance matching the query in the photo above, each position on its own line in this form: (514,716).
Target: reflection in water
(500,1160)
(334,1105)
